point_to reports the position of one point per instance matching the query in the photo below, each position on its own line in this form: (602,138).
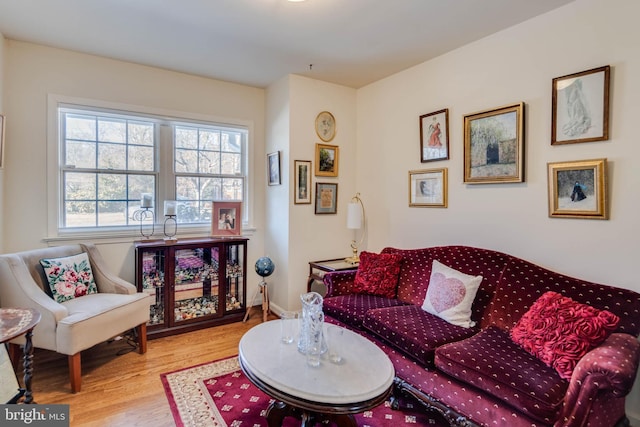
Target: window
(109,159)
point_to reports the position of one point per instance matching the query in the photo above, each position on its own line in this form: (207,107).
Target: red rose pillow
(560,331)
(378,274)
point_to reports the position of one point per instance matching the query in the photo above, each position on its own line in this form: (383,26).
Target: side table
(317,269)
(13,323)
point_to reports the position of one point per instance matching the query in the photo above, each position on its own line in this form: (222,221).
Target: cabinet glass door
(196,283)
(235,282)
(153,284)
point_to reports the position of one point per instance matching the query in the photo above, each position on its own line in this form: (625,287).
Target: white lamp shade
(354,216)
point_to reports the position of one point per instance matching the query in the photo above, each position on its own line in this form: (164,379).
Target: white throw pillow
(450,295)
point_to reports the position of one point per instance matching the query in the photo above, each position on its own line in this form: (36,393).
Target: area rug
(218,394)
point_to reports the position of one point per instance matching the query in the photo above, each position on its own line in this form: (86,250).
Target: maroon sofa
(478,375)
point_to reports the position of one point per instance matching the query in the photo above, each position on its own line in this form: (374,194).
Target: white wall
(32,72)
(515,65)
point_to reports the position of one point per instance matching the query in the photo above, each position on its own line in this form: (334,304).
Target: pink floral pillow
(69,277)
(560,331)
(378,274)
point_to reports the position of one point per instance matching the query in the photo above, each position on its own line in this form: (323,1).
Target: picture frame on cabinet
(428,188)
(302,182)
(327,157)
(580,107)
(494,145)
(226,219)
(273,168)
(326,198)
(578,189)
(434,136)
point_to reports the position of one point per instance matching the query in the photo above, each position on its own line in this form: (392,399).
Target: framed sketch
(428,188)
(273,168)
(434,136)
(325,126)
(578,189)
(302,182)
(2,120)
(226,219)
(326,198)
(327,160)
(580,107)
(494,145)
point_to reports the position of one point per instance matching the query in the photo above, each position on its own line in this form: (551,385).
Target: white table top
(364,373)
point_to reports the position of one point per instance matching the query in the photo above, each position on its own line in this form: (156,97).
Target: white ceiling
(257,42)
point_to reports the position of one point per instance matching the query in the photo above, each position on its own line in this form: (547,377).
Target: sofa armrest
(606,372)
(339,282)
(106,281)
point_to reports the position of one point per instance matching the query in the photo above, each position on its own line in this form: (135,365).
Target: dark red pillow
(378,274)
(559,331)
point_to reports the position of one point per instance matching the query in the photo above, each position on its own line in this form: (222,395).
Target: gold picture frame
(325,126)
(428,188)
(226,219)
(327,157)
(580,107)
(494,145)
(578,189)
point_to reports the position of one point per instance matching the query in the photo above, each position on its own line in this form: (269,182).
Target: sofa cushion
(69,277)
(414,331)
(560,331)
(351,309)
(492,362)
(378,274)
(523,283)
(450,294)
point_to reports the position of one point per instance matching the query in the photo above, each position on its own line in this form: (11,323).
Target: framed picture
(494,145)
(578,189)
(326,198)
(326,160)
(2,120)
(428,188)
(580,107)
(302,182)
(273,168)
(226,219)
(325,126)
(434,136)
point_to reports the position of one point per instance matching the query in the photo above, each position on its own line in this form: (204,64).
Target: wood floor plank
(125,389)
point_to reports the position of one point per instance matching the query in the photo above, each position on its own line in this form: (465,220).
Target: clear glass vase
(311,324)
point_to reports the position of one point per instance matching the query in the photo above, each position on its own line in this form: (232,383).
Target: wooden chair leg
(142,338)
(75,372)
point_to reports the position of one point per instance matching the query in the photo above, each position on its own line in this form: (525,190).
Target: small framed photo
(226,219)
(302,182)
(273,168)
(327,160)
(494,145)
(578,189)
(326,198)
(580,107)
(428,188)
(434,136)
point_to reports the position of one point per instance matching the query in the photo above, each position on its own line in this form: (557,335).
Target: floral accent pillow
(450,294)
(69,277)
(560,331)
(378,274)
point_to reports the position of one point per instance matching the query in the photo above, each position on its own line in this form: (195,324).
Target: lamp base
(352,260)
(170,240)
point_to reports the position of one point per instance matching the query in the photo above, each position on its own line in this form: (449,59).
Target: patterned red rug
(218,394)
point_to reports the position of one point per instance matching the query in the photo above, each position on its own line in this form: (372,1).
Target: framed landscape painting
(434,136)
(580,107)
(578,189)
(494,145)
(327,157)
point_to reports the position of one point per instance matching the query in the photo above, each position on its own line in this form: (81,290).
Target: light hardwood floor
(125,390)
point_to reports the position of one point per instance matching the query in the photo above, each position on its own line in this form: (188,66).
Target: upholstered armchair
(76,324)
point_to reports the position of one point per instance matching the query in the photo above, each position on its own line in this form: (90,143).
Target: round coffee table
(333,392)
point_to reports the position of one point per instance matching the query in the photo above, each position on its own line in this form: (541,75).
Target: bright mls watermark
(34,415)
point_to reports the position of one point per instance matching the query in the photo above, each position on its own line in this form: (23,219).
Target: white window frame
(165,190)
